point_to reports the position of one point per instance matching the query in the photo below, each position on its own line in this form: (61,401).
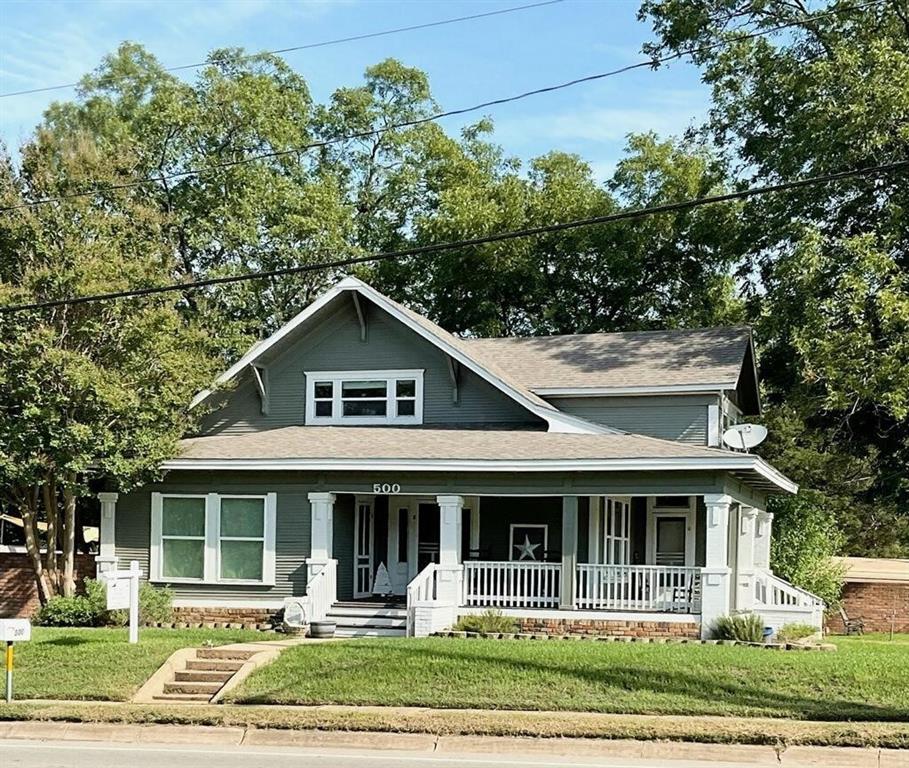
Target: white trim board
(644,389)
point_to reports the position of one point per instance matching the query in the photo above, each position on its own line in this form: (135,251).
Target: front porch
(678,559)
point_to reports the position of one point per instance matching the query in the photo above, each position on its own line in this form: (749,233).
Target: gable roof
(421,449)
(457,349)
(637,362)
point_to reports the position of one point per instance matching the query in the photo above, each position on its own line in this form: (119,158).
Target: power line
(653,62)
(322,44)
(439,247)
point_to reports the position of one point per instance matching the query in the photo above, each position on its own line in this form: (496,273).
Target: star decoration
(526,549)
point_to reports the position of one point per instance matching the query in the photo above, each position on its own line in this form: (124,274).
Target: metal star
(526,549)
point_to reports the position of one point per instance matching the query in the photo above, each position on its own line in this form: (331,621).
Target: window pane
(324,389)
(182,559)
(242,517)
(365,407)
(406,388)
(323,407)
(406,407)
(241,560)
(183,517)
(364,389)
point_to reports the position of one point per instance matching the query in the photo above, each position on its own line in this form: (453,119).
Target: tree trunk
(49,490)
(28,508)
(68,577)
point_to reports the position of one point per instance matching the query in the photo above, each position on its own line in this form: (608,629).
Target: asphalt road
(78,754)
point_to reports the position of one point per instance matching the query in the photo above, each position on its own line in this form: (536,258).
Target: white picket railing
(519,584)
(321,588)
(638,588)
(775,592)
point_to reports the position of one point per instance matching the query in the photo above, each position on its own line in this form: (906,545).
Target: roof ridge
(650,331)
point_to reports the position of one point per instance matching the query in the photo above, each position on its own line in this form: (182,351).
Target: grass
(864,680)
(100,663)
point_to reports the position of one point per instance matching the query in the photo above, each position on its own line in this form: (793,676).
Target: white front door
(364,532)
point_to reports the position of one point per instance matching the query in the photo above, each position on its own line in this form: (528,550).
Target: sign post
(123,593)
(12,631)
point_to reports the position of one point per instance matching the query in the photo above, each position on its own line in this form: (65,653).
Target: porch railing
(638,588)
(772,591)
(519,584)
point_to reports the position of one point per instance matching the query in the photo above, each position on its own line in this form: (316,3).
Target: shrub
(90,609)
(792,632)
(491,621)
(60,611)
(748,628)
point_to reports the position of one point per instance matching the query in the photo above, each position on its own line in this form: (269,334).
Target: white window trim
(389,376)
(212,558)
(511,544)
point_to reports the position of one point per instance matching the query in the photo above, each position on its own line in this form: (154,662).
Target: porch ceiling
(481,450)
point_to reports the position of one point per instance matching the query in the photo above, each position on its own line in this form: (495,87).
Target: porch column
(569,551)
(715,573)
(107,559)
(450,515)
(763,531)
(322,516)
(744,594)
(475,524)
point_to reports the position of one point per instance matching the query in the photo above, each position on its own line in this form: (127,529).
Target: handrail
(422,589)
(776,592)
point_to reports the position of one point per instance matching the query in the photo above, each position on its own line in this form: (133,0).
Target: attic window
(364,397)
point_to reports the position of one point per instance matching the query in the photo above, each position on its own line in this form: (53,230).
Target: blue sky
(48,42)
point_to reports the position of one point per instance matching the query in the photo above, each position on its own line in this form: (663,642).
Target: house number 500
(386,487)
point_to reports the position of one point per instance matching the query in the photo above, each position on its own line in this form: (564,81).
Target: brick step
(196,676)
(186,698)
(212,665)
(209,689)
(223,653)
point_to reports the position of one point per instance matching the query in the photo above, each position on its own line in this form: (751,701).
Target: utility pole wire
(482,240)
(654,62)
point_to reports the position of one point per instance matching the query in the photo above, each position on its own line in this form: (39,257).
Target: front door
(428,535)
(364,535)
(671,543)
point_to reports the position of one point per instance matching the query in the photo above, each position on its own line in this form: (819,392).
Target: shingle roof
(711,356)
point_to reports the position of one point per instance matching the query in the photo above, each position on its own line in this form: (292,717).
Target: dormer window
(364,397)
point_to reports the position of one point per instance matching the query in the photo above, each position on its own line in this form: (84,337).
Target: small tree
(91,390)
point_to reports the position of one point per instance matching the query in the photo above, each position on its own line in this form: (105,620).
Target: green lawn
(100,663)
(866,679)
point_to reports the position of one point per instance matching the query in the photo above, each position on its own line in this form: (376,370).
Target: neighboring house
(876,590)
(576,482)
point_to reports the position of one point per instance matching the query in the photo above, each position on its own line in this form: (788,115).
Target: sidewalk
(246,737)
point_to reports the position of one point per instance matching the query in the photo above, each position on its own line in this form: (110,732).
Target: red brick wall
(609,627)
(224,615)
(878,604)
(18,592)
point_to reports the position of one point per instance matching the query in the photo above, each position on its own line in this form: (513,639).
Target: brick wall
(252,616)
(878,603)
(18,592)
(611,627)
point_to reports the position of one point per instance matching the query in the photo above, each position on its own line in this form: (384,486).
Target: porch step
(387,622)
(370,632)
(367,604)
(379,613)
(363,619)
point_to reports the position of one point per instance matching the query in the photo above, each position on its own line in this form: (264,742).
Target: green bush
(90,609)
(791,632)
(491,621)
(748,628)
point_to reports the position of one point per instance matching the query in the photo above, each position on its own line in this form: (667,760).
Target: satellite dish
(745,436)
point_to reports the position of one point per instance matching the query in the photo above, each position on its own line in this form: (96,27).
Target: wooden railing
(422,589)
(774,592)
(321,588)
(519,584)
(638,588)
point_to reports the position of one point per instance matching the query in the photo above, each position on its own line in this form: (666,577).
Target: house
(576,482)
(875,590)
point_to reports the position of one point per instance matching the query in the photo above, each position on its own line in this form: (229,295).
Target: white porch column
(449,584)
(744,594)
(569,551)
(322,516)
(715,574)
(594,537)
(475,524)
(763,532)
(107,558)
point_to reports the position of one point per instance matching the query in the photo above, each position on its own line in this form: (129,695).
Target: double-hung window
(364,397)
(213,538)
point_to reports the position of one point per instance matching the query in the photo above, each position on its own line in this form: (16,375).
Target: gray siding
(675,417)
(335,345)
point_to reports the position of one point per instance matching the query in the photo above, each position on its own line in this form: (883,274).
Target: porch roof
(307,447)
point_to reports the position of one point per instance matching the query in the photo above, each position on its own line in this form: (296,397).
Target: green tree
(93,390)
(827,264)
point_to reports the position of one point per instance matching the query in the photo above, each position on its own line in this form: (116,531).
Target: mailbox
(15,630)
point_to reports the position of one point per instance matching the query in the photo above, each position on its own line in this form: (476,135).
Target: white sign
(123,592)
(117,593)
(15,630)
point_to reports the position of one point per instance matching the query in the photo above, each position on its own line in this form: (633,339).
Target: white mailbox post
(123,593)
(13,631)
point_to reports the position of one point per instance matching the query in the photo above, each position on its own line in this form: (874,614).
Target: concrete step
(213,665)
(210,689)
(370,632)
(223,653)
(196,676)
(185,698)
(367,621)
